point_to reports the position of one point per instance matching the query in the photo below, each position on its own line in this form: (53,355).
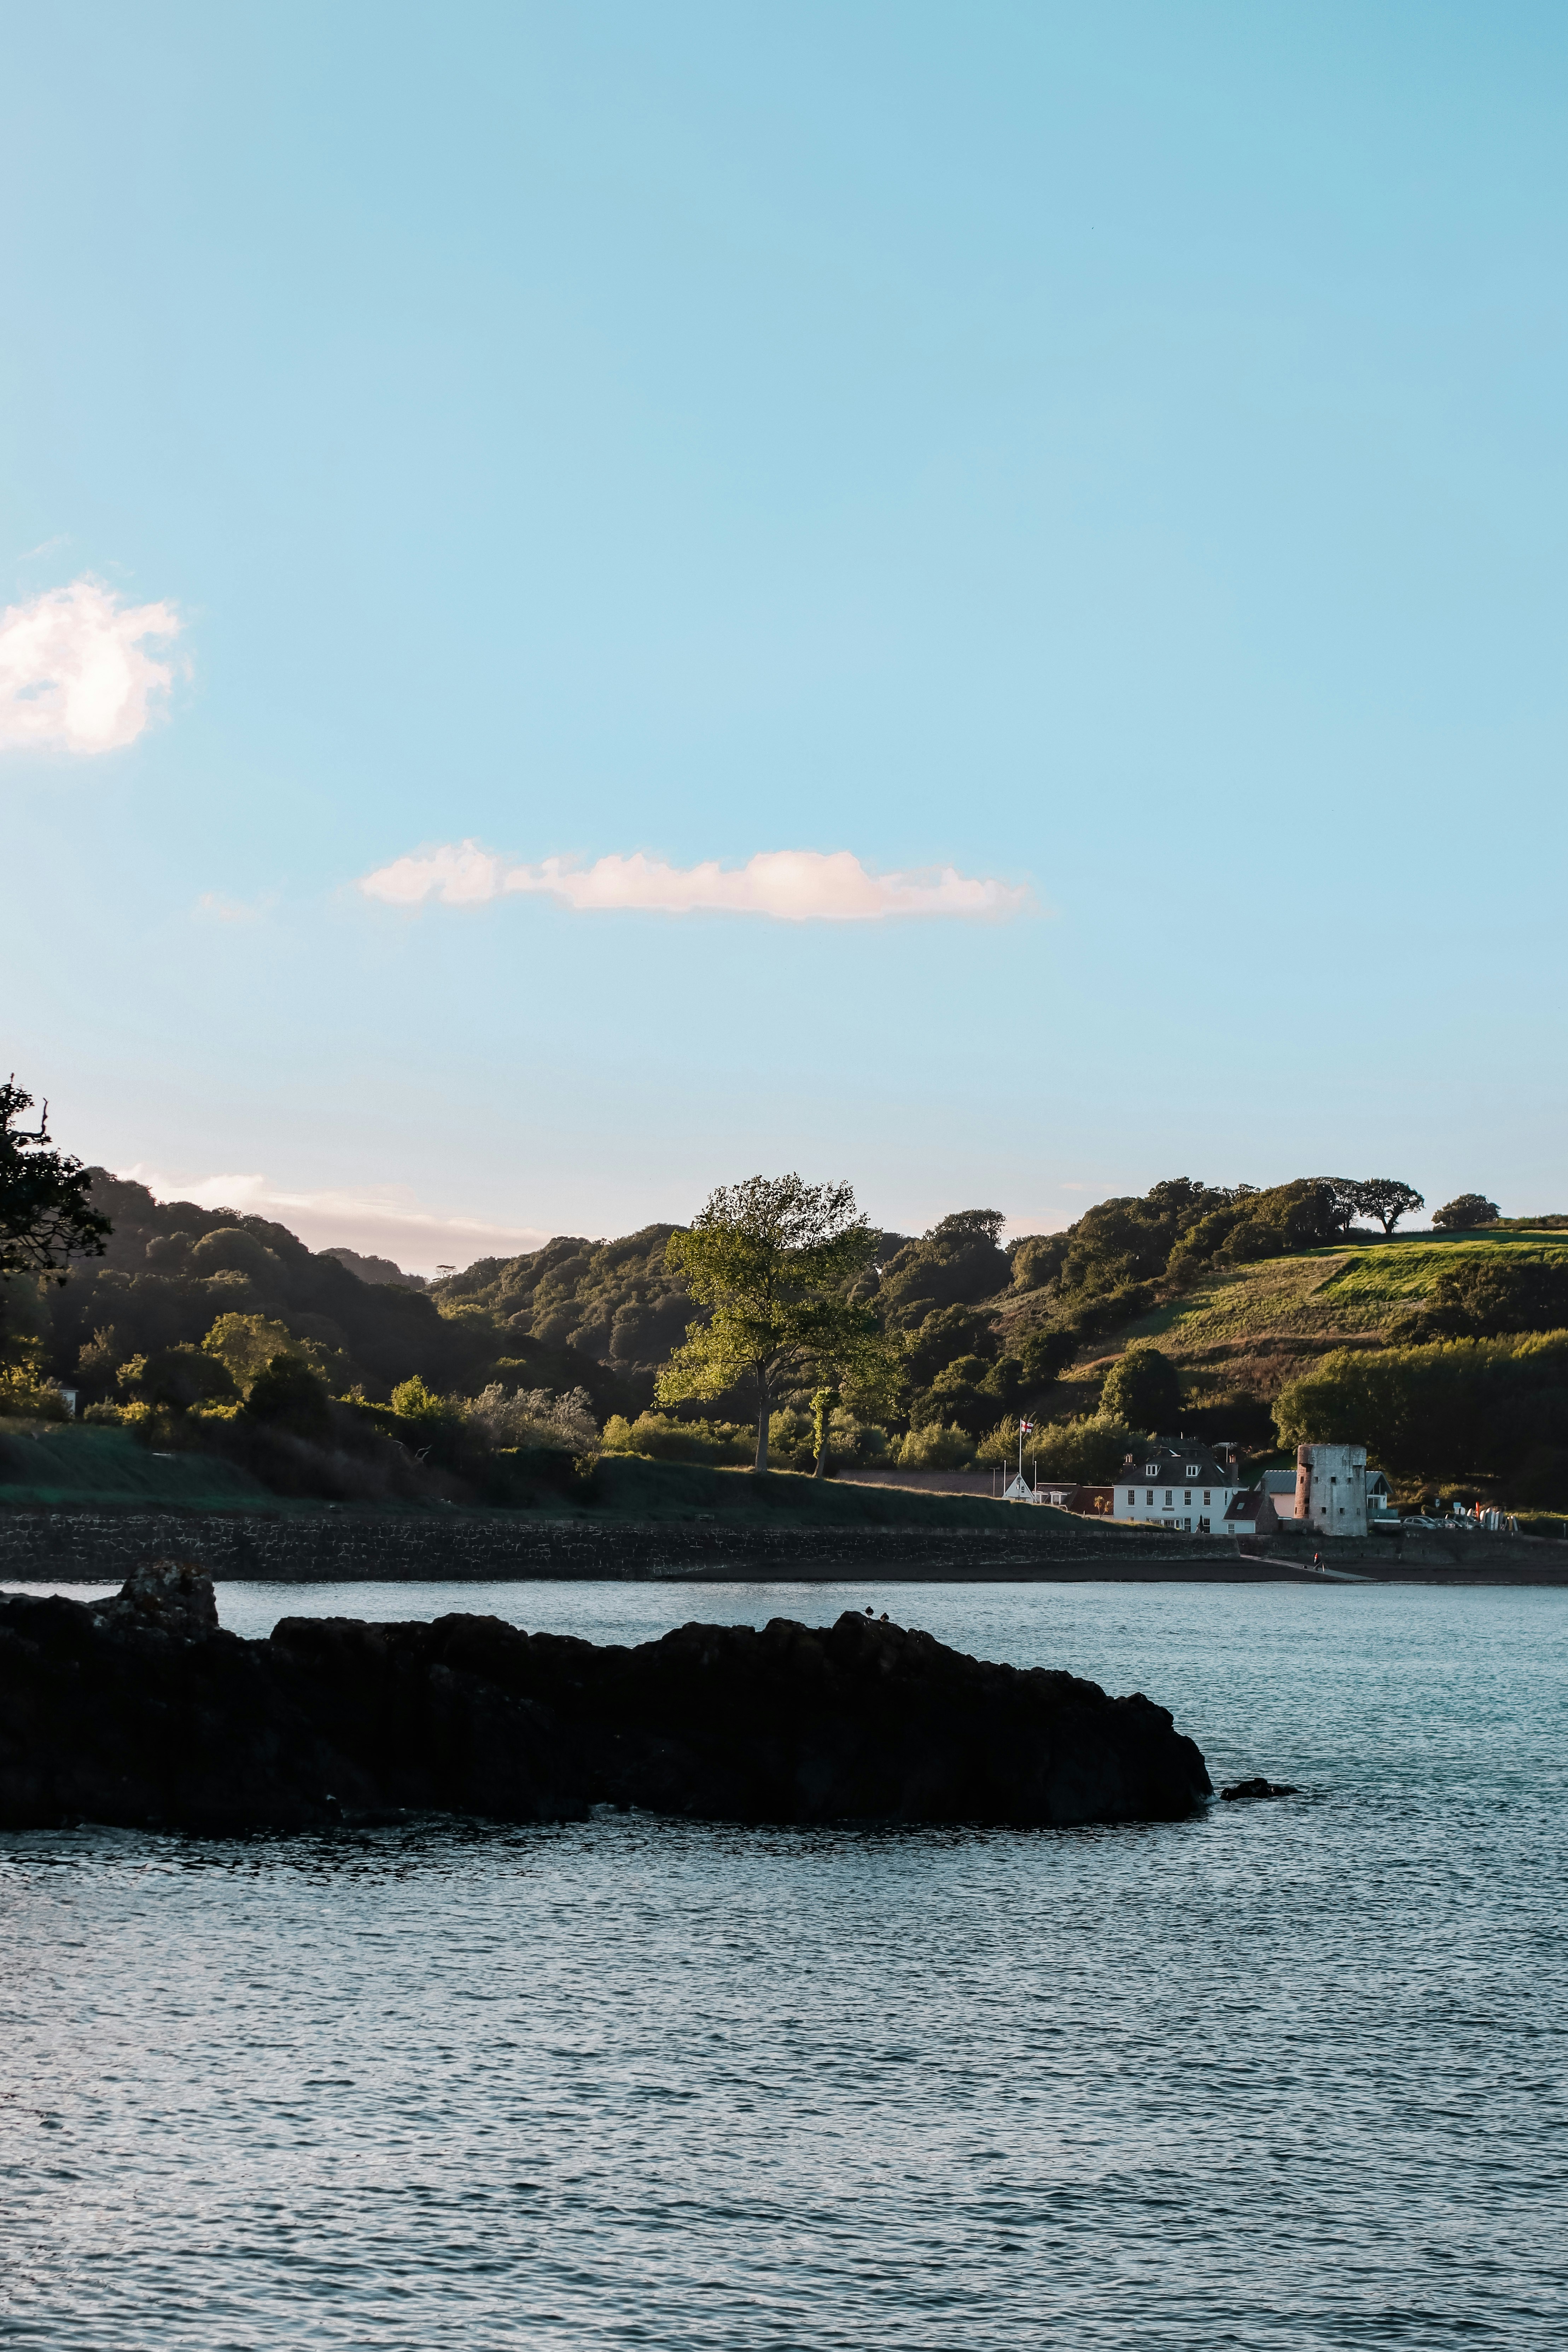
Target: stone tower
(1330,1489)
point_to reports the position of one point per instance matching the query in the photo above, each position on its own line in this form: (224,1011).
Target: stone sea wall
(102,1546)
(1429,1556)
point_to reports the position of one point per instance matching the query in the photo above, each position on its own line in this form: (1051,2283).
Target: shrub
(667,1439)
(1001,1444)
(535,1417)
(1089,1451)
(97,1360)
(165,1428)
(411,1401)
(1143,1389)
(288,1396)
(936,1448)
(1485,1295)
(245,1344)
(1037,1259)
(792,1439)
(852,1443)
(25,1393)
(25,1398)
(177,1377)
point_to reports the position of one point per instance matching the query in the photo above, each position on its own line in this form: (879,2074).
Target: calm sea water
(1291,2076)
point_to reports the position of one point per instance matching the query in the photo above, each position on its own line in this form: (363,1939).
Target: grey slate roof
(1171,1466)
(1250,1504)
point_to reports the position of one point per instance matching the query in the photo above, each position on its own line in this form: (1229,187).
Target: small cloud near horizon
(377,1220)
(217,906)
(788,885)
(73,675)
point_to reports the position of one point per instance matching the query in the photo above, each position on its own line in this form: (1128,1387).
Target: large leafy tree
(45,1216)
(1464,1213)
(1385,1198)
(773,1259)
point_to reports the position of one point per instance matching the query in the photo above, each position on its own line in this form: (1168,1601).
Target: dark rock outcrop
(140,1711)
(1257,1788)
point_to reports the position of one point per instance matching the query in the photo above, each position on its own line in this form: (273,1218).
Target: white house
(1059,1491)
(1189,1487)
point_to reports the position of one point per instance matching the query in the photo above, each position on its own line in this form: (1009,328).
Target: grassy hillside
(1256,1326)
(61,1464)
(107,1467)
(631,1486)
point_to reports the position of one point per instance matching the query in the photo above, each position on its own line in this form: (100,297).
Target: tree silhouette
(45,1216)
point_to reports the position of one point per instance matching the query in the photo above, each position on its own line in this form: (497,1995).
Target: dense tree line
(171,1270)
(1119,1258)
(860,1344)
(1470,1410)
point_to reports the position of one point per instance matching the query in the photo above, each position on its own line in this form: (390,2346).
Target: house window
(1151,1469)
(1205,1493)
(1151,1494)
(1188,1496)
(1167,1498)
(1131,1495)
(1191,1469)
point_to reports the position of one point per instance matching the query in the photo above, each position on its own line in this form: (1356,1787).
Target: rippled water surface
(1289,2076)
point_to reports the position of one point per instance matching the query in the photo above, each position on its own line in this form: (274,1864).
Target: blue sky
(1112,455)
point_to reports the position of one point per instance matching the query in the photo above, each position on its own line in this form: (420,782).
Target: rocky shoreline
(140,1711)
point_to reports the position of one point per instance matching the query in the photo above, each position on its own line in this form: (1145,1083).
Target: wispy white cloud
(217,906)
(73,675)
(379,1220)
(794,886)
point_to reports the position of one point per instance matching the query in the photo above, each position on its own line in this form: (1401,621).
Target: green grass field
(60,1463)
(52,1462)
(1259,1323)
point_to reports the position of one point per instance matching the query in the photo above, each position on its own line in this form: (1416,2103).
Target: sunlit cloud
(73,675)
(217,906)
(378,1220)
(794,886)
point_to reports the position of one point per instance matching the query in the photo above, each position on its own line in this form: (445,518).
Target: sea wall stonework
(102,1546)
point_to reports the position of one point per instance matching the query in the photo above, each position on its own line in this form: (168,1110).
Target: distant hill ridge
(1241,1289)
(375,1269)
